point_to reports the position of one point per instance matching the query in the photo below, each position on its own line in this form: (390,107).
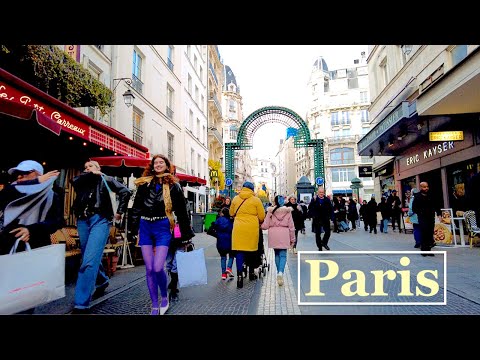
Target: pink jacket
(281,230)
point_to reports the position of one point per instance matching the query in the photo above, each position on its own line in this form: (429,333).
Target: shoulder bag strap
(239,208)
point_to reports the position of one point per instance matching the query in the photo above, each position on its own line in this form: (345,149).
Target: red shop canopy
(127,165)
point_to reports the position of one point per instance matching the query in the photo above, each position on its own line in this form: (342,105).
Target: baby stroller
(256,263)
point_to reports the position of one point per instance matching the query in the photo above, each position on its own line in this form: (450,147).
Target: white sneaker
(294,250)
(280,279)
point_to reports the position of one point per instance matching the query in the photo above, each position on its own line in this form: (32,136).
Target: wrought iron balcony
(342,139)
(216,134)
(213,99)
(137,84)
(169,113)
(137,135)
(212,70)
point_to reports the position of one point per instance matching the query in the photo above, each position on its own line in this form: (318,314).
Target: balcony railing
(137,134)
(342,139)
(169,113)
(212,70)
(137,84)
(214,131)
(213,97)
(170,64)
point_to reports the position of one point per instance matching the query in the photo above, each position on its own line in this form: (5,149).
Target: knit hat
(248,185)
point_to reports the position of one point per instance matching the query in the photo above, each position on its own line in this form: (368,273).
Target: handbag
(31,278)
(113,196)
(191,268)
(176,231)
(211,231)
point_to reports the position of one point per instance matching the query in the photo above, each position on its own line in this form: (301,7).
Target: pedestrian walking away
(223,228)
(93,209)
(248,213)
(281,233)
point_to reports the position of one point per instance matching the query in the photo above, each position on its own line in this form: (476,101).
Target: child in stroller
(256,260)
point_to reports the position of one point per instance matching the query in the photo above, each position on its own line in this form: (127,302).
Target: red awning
(28,102)
(190,179)
(118,161)
(127,165)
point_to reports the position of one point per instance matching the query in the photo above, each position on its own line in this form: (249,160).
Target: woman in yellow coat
(248,213)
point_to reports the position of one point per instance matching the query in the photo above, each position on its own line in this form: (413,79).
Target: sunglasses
(23,172)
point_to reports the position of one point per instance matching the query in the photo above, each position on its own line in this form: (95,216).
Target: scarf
(33,206)
(166,195)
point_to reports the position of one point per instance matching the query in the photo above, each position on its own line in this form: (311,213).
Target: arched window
(341,156)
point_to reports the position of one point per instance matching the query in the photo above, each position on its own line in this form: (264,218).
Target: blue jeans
(416,234)
(280,259)
(384,228)
(93,234)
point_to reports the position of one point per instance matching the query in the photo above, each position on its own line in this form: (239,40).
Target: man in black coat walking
(321,212)
(425,207)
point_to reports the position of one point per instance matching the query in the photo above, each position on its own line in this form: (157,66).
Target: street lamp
(128,97)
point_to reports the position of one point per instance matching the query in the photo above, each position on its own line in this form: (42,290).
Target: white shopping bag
(191,268)
(31,278)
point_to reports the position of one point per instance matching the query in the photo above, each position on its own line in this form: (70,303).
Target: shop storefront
(384,180)
(36,126)
(445,165)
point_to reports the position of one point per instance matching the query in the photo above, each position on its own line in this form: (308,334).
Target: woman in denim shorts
(158,200)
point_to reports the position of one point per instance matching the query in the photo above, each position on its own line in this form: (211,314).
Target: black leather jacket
(83,185)
(148,202)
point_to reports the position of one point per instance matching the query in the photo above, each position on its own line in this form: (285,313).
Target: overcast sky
(277,75)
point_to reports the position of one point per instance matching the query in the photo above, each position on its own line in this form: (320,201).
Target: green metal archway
(272,114)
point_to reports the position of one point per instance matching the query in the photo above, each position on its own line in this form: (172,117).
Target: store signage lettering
(445,135)
(391,119)
(65,123)
(69,124)
(435,150)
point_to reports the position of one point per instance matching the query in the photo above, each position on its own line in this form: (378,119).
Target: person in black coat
(386,211)
(94,211)
(394,203)
(298,219)
(364,215)
(425,207)
(352,213)
(159,206)
(371,211)
(321,212)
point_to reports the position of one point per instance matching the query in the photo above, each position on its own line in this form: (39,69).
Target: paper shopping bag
(31,278)
(191,268)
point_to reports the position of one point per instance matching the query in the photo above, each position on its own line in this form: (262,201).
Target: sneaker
(224,276)
(230,272)
(280,279)
(164,306)
(100,291)
(295,250)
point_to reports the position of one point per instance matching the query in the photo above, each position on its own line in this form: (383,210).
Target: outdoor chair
(471,222)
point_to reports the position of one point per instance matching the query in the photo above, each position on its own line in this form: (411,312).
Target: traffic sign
(228,182)
(319,181)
